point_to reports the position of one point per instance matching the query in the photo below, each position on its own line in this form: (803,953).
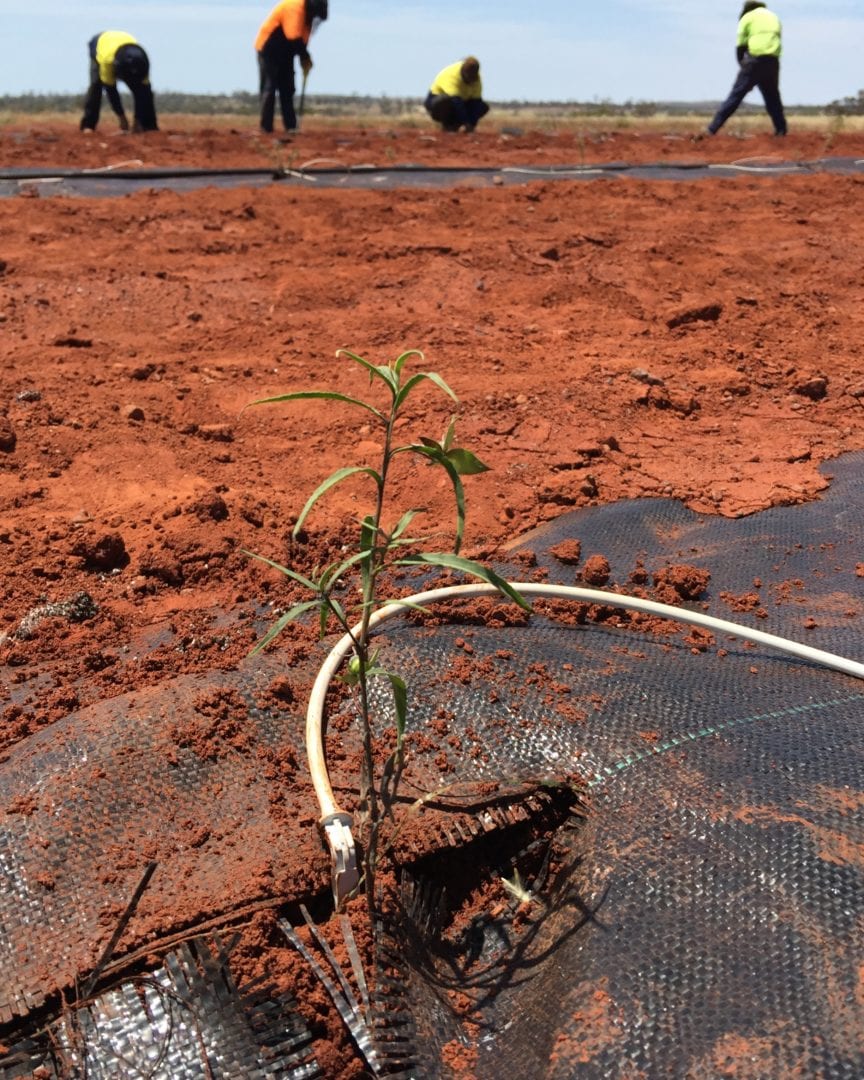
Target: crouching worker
(455,99)
(116,55)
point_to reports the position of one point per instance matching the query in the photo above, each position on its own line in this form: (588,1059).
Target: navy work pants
(277,76)
(454,112)
(142,95)
(761,71)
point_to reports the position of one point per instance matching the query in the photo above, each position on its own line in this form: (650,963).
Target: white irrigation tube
(741,166)
(575,170)
(113,168)
(336,822)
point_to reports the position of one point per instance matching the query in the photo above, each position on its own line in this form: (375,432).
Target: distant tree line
(244,103)
(848,106)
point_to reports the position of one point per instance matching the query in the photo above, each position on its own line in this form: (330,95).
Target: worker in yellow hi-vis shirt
(115,55)
(455,99)
(758,49)
(285,34)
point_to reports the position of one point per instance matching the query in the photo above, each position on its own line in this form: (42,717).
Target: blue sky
(558,50)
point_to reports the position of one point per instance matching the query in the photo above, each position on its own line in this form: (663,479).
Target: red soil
(607,340)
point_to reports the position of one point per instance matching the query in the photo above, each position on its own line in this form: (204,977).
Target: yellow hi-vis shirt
(450,82)
(291,16)
(107,45)
(759,32)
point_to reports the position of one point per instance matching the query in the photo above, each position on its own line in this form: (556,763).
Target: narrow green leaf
(331,481)
(399,362)
(335,572)
(437,455)
(403,603)
(431,376)
(400,701)
(299,578)
(410,541)
(450,434)
(338,611)
(403,524)
(326,395)
(376,371)
(400,694)
(368,533)
(282,622)
(465,463)
(468,566)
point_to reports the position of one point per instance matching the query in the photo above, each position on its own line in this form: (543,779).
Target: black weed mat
(684,884)
(122,181)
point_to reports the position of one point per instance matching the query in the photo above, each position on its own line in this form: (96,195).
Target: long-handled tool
(302,104)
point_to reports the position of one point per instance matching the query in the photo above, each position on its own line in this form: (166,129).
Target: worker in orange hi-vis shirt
(284,35)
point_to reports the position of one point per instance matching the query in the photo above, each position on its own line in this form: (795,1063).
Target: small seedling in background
(381,547)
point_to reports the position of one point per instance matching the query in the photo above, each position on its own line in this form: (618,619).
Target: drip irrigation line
(336,823)
(608,772)
(136,162)
(576,170)
(118,173)
(780,167)
(331,167)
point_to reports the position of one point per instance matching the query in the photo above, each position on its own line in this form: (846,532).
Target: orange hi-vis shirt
(291,16)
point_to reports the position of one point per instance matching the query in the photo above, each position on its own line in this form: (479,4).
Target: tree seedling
(381,547)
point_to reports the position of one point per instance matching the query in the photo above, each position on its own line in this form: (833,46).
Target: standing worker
(115,55)
(759,48)
(455,99)
(284,35)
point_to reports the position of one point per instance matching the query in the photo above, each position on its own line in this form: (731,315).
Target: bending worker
(284,35)
(455,99)
(759,48)
(117,55)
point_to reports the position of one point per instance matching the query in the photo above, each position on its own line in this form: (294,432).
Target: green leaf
(400,697)
(338,611)
(411,541)
(403,524)
(299,578)
(431,376)
(468,566)
(465,463)
(282,622)
(368,533)
(400,701)
(331,481)
(335,572)
(376,371)
(399,362)
(436,454)
(326,395)
(403,603)
(450,434)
